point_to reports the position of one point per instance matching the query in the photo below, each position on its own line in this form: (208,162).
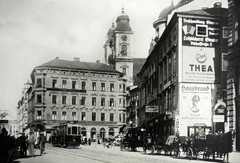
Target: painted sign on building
(151,109)
(198,65)
(201,33)
(195,105)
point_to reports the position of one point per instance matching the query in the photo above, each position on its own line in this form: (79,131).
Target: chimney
(57,58)
(217,5)
(77,59)
(98,61)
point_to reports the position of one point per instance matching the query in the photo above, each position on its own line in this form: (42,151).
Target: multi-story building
(183,79)
(233,74)
(90,94)
(22,115)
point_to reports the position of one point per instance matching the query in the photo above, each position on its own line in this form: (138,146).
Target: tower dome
(123,22)
(162,18)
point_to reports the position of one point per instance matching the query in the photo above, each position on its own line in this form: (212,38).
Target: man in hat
(31,142)
(23,145)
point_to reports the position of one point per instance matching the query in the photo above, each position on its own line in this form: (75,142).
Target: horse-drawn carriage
(193,147)
(130,140)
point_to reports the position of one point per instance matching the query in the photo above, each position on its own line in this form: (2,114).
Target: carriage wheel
(152,149)
(189,153)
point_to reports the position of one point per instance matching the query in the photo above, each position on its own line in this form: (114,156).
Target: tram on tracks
(66,135)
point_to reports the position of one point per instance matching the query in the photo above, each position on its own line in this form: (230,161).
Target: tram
(66,135)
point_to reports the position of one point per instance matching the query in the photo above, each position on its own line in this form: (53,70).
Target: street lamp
(130,122)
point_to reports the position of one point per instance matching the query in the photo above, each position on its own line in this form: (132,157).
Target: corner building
(90,94)
(184,75)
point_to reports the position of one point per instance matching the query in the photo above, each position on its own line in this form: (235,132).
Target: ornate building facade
(90,94)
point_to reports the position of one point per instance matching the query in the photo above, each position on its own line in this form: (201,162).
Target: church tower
(119,47)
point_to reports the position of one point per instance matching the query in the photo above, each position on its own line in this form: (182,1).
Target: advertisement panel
(195,105)
(200,32)
(198,65)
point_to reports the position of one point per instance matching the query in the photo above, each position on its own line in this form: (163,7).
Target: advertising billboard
(200,32)
(195,105)
(198,65)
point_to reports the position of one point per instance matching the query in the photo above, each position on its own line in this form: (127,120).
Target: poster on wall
(195,105)
(198,65)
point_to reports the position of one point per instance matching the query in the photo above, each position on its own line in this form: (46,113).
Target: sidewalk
(234,157)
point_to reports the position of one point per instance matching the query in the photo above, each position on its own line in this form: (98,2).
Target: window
(83,85)
(54,83)
(64,115)
(124,118)
(111,102)
(93,116)
(102,101)
(39,83)
(201,30)
(224,62)
(111,117)
(124,102)
(225,32)
(93,101)
(120,117)
(54,99)
(39,98)
(102,116)
(124,88)
(111,87)
(236,31)
(124,50)
(102,86)
(82,101)
(39,115)
(120,102)
(94,86)
(74,84)
(64,99)
(64,84)
(74,115)
(120,88)
(54,115)
(124,70)
(83,116)
(74,100)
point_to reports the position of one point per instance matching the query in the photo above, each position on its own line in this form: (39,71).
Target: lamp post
(130,122)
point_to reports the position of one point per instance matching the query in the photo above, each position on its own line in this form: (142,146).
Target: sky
(33,32)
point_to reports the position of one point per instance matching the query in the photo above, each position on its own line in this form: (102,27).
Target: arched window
(93,134)
(111,132)
(124,50)
(102,133)
(84,131)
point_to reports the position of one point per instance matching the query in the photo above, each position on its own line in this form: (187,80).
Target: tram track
(78,155)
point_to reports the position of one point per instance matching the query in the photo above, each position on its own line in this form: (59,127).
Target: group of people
(31,142)
(86,141)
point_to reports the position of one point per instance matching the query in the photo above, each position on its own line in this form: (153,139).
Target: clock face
(124,37)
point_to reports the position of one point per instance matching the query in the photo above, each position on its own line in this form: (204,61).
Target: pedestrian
(89,141)
(42,141)
(31,142)
(23,145)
